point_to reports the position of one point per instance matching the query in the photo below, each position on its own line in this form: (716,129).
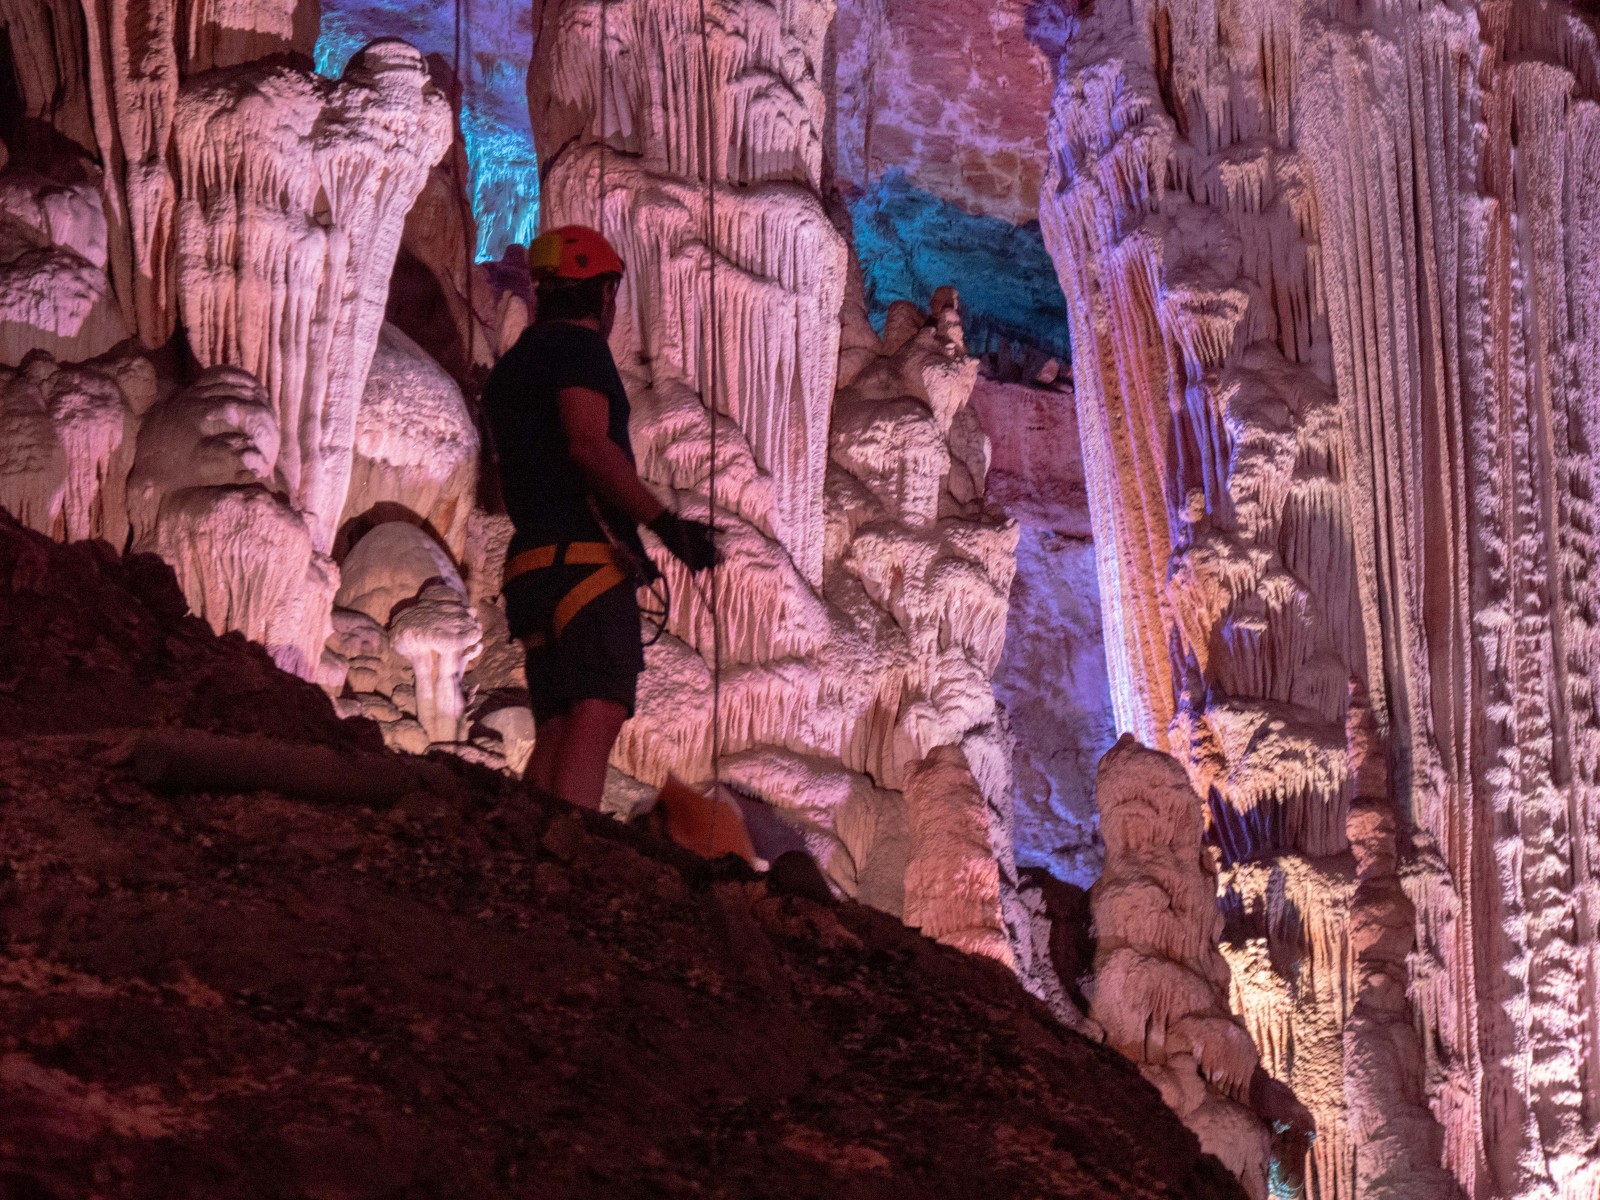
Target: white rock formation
(406,633)
(1330,273)
(293,193)
(862,607)
(54,295)
(439,635)
(1160,982)
(66,443)
(106,74)
(742,115)
(203,494)
(416,446)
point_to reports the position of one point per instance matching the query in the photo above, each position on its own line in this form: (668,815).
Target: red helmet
(572,252)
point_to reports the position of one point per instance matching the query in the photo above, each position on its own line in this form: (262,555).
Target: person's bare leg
(547,737)
(590,732)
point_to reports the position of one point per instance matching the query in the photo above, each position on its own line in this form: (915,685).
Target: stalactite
(294,193)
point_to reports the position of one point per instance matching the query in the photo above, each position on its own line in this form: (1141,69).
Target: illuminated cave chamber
(940,143)
(243,323)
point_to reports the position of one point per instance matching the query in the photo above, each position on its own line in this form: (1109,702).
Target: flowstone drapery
(179,170)
(293,194)
(1330,275)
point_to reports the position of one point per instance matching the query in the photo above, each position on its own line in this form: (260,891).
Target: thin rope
(604,99)
(713,364)
(468,227)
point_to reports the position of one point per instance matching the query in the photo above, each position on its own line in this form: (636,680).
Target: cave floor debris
(466,992)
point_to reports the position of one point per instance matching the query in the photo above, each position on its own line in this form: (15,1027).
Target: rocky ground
(467,992)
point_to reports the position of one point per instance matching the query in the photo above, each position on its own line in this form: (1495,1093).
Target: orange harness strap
(592,586)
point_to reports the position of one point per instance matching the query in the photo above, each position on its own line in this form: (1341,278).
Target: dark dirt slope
(468,995)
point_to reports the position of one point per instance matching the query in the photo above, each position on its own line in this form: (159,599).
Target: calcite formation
(1052,677)
(416,445)
(1330,275)
(54,293)
(861,612)
(68,443)
(702,161)
(1161,985)
(192,174)
(202,495)
(293,195)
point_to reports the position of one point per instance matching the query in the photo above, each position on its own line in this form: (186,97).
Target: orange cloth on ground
(711,826)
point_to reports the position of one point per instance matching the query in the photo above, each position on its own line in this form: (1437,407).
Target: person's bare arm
(585,416)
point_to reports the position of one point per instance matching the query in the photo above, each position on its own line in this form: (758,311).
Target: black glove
(692,543)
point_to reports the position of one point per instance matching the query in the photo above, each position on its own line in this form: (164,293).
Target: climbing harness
(712,596)
(590,588)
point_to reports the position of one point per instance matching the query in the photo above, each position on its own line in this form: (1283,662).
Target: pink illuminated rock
(440,636)
(861,609)
(67,443)
(54,295)
(1160,982)
(407,633)
(953,95)
(203,495)
(294,191)
(416,446)
(1333,366)
(952,878)
(765,353)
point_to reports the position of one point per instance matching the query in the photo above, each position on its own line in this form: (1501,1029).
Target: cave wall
(1328,269)
(493,41)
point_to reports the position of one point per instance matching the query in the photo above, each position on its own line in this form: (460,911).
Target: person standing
(558,419)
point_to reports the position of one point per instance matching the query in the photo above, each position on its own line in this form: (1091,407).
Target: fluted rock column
(1331,279)
(642,123)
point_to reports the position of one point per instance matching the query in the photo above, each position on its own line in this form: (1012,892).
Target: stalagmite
(440,636)
(407,633)
(952,878)
(861,610)
(1330,283)
(293,193)
(1160,982)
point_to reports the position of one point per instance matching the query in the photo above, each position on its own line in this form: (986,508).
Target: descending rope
(468,230)
(713,363)
(603,99)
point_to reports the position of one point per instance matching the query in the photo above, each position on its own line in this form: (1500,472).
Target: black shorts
(598,655)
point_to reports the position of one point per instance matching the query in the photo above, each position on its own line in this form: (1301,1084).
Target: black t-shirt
(545,493)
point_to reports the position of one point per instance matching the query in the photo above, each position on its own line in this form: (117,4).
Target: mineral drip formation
(861,610)
(1330,275)
(1160,982)
(293,195)
(180,171)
